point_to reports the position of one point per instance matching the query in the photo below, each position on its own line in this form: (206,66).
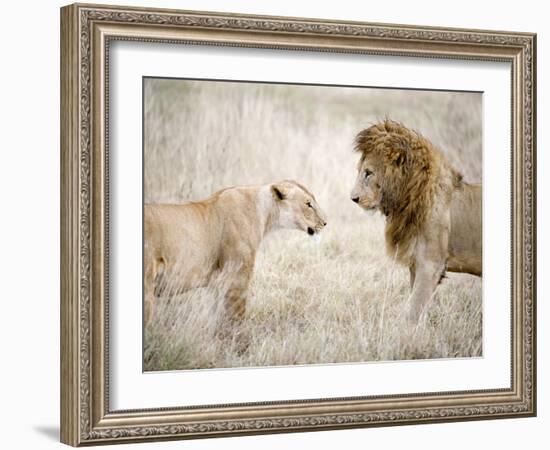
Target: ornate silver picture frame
(87,34)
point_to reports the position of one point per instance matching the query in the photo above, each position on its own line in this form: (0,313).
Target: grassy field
(342,300)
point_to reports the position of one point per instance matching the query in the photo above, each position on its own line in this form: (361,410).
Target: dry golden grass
(341,301)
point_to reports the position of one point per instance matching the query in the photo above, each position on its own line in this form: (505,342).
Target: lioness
(433,217)
(222,233)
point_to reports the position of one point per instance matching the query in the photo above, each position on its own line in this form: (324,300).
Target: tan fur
(194,242)
(433,217)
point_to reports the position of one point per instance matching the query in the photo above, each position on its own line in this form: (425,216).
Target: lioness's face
(298,209)
(367,192)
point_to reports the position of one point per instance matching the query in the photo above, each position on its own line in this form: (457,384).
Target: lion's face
(367,191)
(298,208)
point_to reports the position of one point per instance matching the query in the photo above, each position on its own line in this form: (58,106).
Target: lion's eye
(368,173)
(309,204)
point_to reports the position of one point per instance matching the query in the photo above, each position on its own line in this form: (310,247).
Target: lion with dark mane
(433,217)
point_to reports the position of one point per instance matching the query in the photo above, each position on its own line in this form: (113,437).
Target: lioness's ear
(278,192)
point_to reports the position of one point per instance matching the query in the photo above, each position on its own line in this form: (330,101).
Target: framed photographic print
(275,224)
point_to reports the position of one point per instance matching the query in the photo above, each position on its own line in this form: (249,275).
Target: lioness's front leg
(235,310)
(235,297)
(237,265)
(149,288)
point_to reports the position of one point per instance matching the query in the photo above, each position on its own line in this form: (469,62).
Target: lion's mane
(415,176)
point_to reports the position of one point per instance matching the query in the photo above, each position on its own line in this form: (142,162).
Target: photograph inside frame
(288,224)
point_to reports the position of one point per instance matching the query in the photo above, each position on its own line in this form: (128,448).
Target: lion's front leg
(426,272)
(412,275)
(425,283)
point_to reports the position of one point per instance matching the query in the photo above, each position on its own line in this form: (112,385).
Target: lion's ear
(395,158)
(279,192)
(399,149)
(399,158)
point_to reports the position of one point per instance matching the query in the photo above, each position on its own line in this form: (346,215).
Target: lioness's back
(176,232)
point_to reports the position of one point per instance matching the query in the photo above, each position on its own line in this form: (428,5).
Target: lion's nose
(355,199)
(324,224)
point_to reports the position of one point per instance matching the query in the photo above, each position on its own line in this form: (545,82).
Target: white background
(29,177)
(132,389)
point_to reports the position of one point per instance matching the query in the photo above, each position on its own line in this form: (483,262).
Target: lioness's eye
(368,173)
(308,203)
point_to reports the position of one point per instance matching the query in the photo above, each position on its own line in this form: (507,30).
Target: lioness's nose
(355,199)
(324,224)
